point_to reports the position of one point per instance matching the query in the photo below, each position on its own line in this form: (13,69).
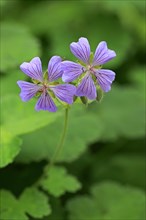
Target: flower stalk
(62,139)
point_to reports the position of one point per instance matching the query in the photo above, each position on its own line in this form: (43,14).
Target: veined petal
(33,69)
(105,78)
(103,54)
(71,71)
(64,92)
(81,49)
(28,90)
(46,103)
(54,70)
(87,88)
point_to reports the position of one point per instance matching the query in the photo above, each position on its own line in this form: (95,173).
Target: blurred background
(106,141)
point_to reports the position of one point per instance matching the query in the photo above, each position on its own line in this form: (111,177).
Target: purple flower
(44,86)
(88,71)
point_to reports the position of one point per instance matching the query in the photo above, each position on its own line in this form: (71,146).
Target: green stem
(61,143)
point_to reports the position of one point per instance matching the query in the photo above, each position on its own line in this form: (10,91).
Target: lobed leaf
(108,200)
(35,203)
(32,202)
(9,205)
(58,181)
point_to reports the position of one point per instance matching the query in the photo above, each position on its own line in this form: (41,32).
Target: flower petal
(64,92)
(105,78)
(103,54)
(54,70)
(71,71)
(33,69)
(87,88)
(81,49)
(28,90)
(46,103)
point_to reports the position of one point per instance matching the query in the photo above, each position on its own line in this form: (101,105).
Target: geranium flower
(88,71)
(44,86)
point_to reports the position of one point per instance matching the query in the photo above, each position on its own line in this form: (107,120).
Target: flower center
(90,69)
(44,87)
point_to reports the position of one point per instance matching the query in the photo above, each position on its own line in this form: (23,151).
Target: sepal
(84,100)
(99,94)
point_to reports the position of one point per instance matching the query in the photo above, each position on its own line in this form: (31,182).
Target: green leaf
(120,111)
(120,41)
(10,207)
(58,210)
(58,181)
(20,118)
(35,203)
(131,168)
(3,3)
(37,16)
(17,45)
(108,201)
(86,22)
(83,128)
(83,208)
(133,10)
(32,202)
(17,118)
(8,82)
(137,76)
(125,163)
(10,147)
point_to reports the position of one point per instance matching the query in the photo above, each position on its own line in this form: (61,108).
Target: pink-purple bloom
(44,85)
(88,70)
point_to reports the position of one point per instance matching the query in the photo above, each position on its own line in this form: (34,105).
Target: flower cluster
(45,85)
(87,74)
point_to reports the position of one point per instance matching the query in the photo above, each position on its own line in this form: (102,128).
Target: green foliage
(27,47)
(105,141)
(120,40)
(8,82)
(9,205)
(121,120)
(131,168)
(18,120)
(58,212)
(78,137)
(57,181)
(32,202)
(9,148)
(130,165)
(108,201)
(133,13)
(35,203)
(111,116)
(137,76)
(36,16)
(22,118)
